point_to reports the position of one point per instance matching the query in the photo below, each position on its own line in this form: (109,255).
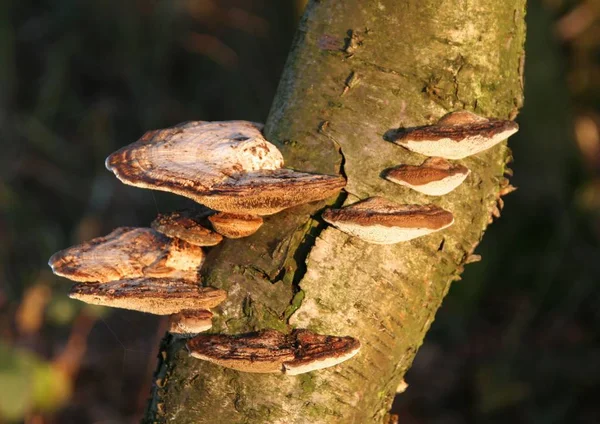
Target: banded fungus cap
(187,225)
(227,166)
(435,176)
(128,253)
(379,221)
(190,322)
(235,226)
(270,351)
(159,296)
(456,135)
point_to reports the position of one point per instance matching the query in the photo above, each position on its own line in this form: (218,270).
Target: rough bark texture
(357,70)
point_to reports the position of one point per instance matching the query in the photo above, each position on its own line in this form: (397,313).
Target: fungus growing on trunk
(159,296)
(380,221)
(187,225)
(128,253)
(435,176)
(456,135)
(235,225)
(231,168)
(227,166)
(190,322)
(270,351)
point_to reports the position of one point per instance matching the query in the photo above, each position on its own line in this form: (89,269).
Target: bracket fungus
(270,351)
(190,322)
(227,166)
(234,226)
(456,135)
(128,253)
(379,221)
(435,176)
(159,296)
(187,225)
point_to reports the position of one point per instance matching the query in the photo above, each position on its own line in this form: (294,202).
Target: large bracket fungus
(456,135)
(227,166)
(270,351)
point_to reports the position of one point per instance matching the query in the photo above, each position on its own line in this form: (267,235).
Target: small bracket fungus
(159,296)
(190,322)
(435,176)
(226,166)
(379,221)
(187,225)
(270,351)
(235,225)
(456,135)
(128,253)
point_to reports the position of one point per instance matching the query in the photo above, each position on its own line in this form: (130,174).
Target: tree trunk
(357,69)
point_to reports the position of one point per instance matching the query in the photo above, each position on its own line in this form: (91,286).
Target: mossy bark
(357,70)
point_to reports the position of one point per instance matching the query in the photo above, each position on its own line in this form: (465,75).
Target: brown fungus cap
(226,166)
(235,225)
(435,176)
(187,225)
(270,351)
(159,296)
(128,253)
(380,221)
(190,322)
(456,135)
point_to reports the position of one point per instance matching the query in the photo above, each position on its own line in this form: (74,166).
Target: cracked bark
(356,70)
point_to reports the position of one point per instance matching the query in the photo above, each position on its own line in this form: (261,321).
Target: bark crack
(314,227)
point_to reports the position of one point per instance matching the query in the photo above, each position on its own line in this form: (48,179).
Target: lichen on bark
(357,70)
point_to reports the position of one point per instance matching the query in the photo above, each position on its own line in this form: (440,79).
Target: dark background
(516,340)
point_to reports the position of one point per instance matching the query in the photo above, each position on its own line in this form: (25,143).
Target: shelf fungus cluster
(455,136)
(237,176)
(142,270)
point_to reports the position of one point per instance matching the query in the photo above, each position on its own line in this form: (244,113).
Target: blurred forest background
(517,339)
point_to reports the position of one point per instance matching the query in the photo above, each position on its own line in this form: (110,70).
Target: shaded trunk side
(356,71)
